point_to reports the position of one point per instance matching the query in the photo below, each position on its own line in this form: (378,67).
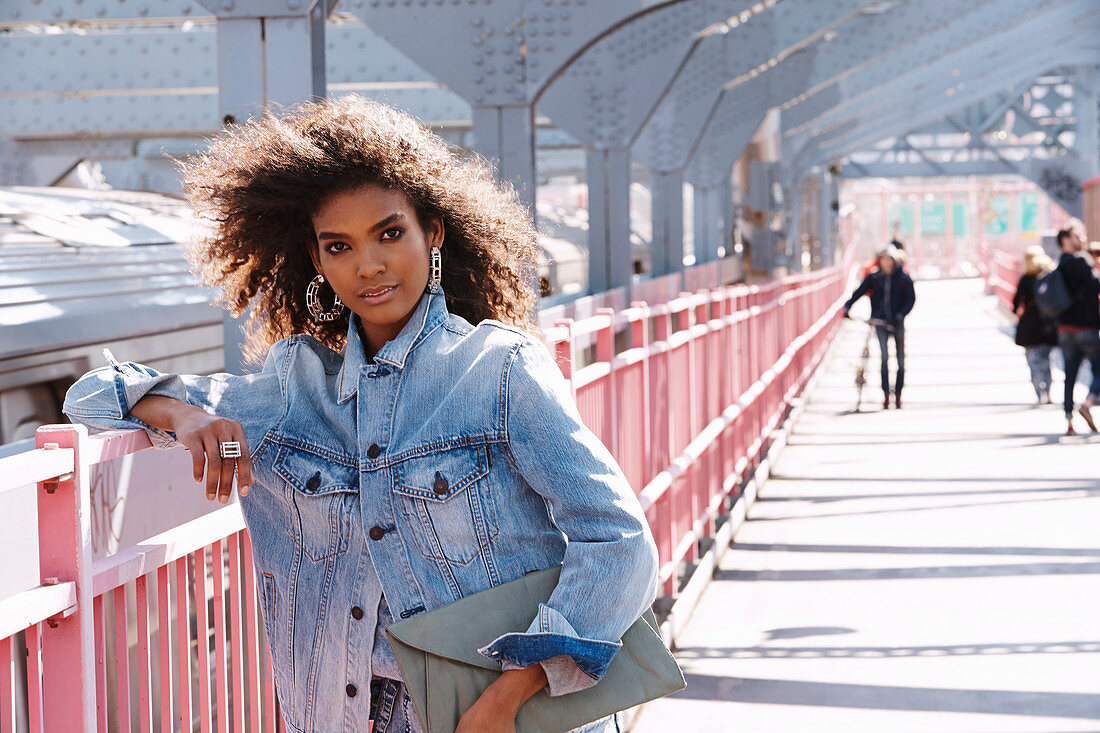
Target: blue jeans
(1038,362)
(1076,347)
(884,335)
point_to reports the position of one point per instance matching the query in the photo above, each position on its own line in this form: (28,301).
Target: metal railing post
(605,352)
(64,555)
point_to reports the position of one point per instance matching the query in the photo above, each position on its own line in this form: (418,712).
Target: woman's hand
(201,434)
(495,711)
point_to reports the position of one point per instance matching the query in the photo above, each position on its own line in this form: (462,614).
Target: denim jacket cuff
(563,676)
(120,386)
(551,635)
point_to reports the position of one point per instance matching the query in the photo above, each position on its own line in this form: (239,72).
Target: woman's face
(373,252)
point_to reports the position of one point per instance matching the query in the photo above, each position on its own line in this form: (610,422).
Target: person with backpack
(1079,322)
(1035,332)
(892,296)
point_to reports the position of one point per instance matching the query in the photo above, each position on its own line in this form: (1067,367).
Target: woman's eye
(393,233)
(334,247)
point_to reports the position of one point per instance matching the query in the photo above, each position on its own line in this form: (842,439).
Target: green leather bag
(445,674)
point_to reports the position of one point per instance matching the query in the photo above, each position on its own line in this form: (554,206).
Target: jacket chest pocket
(446,497)
(323,493)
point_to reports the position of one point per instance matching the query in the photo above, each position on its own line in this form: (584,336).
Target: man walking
(1079,324)
(892,297)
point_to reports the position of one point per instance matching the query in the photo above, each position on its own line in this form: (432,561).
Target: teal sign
(933,217)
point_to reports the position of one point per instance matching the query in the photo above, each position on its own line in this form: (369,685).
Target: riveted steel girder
(15,13)
(156,82)
(608,92)
(945,51)
(602,99)
(1059,175)
(728,131)
(932,100)
(739,55)
(863,40)
(730,59)
(498,55)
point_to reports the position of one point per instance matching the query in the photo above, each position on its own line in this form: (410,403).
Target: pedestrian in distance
(1079,324)
(1034,331)
(873,264)
(892,296)
(1094,253)
(410,440)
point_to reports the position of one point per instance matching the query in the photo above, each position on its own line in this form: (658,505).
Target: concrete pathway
(932,569)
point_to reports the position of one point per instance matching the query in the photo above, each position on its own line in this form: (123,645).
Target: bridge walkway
(935,568)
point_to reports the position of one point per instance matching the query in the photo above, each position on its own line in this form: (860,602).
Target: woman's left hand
(480,718)
(495,711)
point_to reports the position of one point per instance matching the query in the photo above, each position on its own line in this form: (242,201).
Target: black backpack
(1051,294)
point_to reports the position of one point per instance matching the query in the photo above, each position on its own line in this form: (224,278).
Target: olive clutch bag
(445,674)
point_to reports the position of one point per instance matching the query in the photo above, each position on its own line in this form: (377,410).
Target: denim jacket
(454,461)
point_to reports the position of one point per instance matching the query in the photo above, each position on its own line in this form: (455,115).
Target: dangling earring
(435,275)
(313,302)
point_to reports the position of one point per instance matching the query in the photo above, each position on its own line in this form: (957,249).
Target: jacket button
(351,690)
(314,482)
(376,533)
(356,612)
(440,486)
(374,451)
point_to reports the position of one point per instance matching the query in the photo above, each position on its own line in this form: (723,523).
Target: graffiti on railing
(106,478)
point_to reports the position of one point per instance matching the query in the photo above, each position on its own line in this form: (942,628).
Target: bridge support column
(668,221)
(610,262)
(711,213)
(1087,109)
(263,59)
(830,197)
(793,231)
(506,136)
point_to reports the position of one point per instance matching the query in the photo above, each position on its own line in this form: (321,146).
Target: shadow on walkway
(887,697)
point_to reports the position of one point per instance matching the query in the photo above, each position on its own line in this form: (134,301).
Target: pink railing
(1001,272)
(688,406)
(83,670)
(686,394)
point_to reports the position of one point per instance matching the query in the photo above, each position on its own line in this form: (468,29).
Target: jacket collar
(430,312)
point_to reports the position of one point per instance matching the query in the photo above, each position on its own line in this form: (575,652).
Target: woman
(409,440)
(1037,334)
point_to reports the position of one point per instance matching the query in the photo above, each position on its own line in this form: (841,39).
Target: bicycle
(865,355)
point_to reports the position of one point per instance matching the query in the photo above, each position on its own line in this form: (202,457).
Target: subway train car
(81,270)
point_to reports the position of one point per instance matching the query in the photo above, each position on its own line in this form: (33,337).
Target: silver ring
(229,449)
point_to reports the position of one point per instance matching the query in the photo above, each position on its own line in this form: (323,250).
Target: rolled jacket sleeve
(103,397)
(609,572)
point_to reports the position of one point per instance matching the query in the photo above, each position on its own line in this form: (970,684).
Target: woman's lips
(378,296)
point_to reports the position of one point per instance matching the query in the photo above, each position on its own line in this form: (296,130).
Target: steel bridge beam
(499,55)
(1005,69)
(158,83)
(737,53)
(1060,176)
(942,53)
(603,99)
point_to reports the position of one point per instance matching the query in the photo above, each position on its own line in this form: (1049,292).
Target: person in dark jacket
(1079,325)
(1035,332)
(892,296)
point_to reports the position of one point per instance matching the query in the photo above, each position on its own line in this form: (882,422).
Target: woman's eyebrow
(395,217)
(384,223)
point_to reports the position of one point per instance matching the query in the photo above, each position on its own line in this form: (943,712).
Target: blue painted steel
(940,53)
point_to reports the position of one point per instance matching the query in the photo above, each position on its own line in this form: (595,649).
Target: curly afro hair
(259,184)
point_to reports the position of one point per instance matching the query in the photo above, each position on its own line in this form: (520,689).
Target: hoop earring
(436,273)
(313,302)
